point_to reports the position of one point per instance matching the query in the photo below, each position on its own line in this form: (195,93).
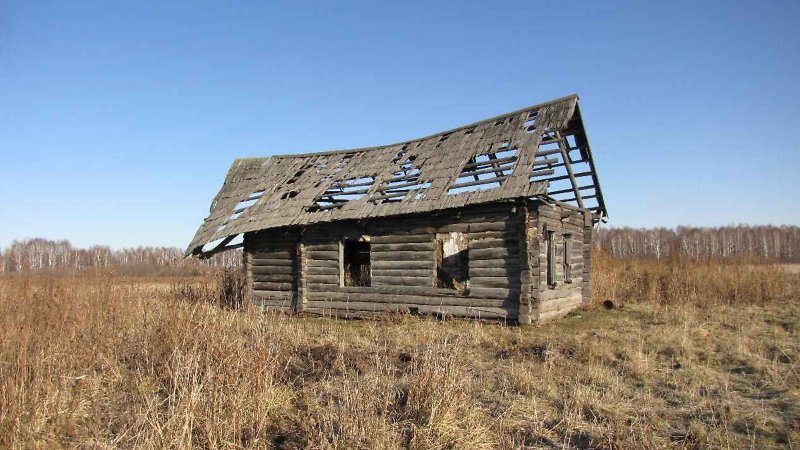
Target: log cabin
(491,220)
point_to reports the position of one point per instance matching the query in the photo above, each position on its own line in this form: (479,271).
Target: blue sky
(118,121)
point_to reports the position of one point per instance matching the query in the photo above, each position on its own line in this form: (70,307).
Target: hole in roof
(209,246)
(571,143)
(288,195)
(499,122)
(469,131)
(341,192)
(530,123)
(296,175)
(249,201)
(403,181)
(484,171)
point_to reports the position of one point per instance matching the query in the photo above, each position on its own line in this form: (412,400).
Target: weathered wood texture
(402,254)
(440,172)
(274,269)
(564,295)
(293,271)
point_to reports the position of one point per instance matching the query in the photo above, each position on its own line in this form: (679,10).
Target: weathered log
(403,256)
(402,239)
(274,278)
(323,263)
(268,286)
(411,299)
(495,282)
(508,264)
(271,261)
(463,311)
(322,279)
(406,264)
(428,272)
(416,247)
(322,270)
(402,281)
(323,255)
(475,272)
(262,269)
(478,244)
(492,253)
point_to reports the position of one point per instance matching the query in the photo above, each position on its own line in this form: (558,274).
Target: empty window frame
(487,170)
(452,261)
(355,265)
(551,257)
(566,258)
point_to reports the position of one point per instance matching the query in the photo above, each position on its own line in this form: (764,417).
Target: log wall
(298,270)
(557,300)
(402,254)
(274,271)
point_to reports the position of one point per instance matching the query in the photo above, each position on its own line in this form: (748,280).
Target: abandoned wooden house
(489,220)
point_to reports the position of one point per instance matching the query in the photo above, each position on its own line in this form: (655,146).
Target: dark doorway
(356,263)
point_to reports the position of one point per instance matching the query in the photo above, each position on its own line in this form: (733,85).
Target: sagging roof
(541,150)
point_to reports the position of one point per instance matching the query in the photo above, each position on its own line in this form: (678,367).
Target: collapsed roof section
(537,151)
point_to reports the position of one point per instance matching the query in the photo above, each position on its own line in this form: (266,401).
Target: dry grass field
(699,355)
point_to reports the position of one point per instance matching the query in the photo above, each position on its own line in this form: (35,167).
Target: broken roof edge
(377,147)
(197,251)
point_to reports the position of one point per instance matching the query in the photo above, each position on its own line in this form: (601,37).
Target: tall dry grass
(682,280)
(99,361)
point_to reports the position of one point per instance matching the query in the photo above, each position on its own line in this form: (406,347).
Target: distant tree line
(765,243)
(43,254)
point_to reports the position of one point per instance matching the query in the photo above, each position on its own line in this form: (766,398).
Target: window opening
(567,258)
(355,264)
(551,258)
(452,261)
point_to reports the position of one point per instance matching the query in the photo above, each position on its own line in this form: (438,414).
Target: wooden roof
(521,154)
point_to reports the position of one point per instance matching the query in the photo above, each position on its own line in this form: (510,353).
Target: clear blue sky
(118,121)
